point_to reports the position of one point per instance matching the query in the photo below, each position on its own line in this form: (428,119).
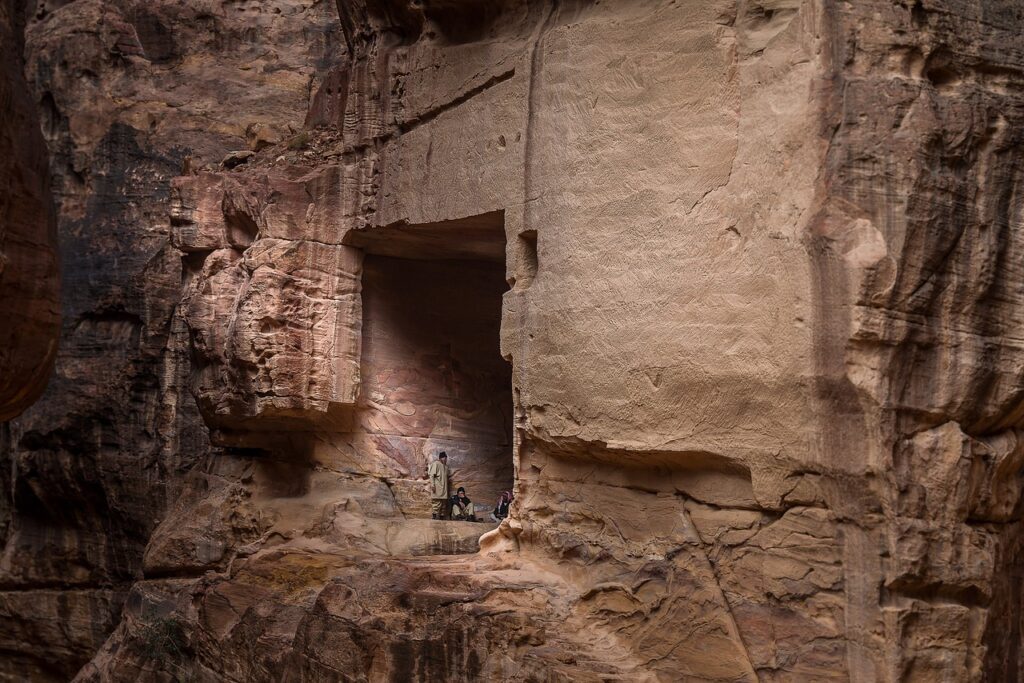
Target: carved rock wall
(433,378)
(761,281)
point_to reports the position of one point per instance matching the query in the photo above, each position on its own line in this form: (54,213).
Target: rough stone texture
(275,323)
(755,376)
(130,93)
(29,280)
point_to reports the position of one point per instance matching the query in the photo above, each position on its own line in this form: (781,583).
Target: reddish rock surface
(129,94)
(726,291)
(29,281)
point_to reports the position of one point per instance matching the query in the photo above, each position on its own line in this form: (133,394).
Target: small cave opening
(432,375)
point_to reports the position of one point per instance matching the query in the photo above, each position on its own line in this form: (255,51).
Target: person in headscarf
(437,474)
(501,508)
(462,506)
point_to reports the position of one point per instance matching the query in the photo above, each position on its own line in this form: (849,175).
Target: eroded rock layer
(29,281)
(129,93)
(726,291)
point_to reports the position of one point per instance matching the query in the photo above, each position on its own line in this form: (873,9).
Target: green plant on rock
(164,642)
(299,142)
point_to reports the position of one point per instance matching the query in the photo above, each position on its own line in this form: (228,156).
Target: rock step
(419,537)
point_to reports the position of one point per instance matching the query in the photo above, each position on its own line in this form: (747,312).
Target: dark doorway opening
(432,375)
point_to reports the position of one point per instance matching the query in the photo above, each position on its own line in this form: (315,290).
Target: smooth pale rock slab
(416,537)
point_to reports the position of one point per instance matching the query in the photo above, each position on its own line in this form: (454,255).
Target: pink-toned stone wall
(765,379)
(432,375)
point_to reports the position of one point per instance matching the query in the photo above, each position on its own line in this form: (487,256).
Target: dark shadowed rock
(727,293)
(29,281)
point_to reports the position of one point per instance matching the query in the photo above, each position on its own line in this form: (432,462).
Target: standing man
(438,475)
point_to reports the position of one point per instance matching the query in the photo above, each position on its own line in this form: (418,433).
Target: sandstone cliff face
(727,291)
(128,92)
(28,240)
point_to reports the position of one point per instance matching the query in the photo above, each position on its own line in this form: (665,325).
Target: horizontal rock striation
(129,93)
(725,291)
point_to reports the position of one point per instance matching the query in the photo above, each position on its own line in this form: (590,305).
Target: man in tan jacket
(437,473)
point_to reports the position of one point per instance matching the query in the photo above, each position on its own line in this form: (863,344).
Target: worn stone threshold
(419,537)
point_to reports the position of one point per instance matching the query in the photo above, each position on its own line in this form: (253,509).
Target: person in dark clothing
(501,508)
(462,507)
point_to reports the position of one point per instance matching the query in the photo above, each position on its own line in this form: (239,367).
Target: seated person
(462,506)
(501,508)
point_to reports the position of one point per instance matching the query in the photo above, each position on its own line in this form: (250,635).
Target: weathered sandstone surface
(129,93)
(29,280)
(728,292)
